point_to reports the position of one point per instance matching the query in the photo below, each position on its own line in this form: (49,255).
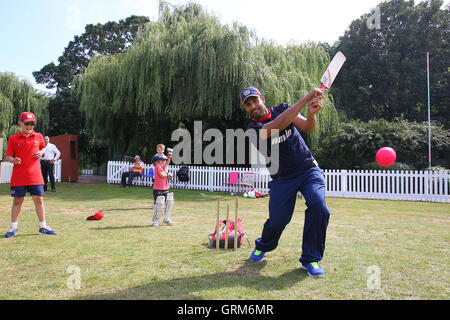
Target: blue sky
(34,33)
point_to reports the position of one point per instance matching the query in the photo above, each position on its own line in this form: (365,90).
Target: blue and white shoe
(257,256)
(11,232)
(314,269)
(47,231)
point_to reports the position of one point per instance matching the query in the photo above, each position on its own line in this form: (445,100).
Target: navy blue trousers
(130,175)
(283,194)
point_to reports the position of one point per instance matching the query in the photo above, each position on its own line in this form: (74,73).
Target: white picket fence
(7,168)
(201,178)
(363,184)
(390,185)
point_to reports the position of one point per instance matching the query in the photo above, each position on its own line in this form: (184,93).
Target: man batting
(297,171)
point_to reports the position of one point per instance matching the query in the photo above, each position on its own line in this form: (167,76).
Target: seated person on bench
(135,171)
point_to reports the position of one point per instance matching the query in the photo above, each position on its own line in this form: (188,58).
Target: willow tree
(188,66)
(17,96)
(290,73)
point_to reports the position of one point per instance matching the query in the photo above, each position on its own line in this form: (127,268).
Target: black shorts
(157,193)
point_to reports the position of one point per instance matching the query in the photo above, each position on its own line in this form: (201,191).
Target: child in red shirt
(24,151)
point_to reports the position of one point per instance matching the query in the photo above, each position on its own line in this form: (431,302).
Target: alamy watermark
(73,21)
(73,282)
(373,282)
(221,147)
(373,277)
(374,21)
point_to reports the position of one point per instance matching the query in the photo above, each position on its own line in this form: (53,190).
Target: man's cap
(157,157)
(27,117)
(249,92)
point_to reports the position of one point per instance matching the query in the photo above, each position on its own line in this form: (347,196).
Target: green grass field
(375,249)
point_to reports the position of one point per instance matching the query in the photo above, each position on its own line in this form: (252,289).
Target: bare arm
(309,124)
(167,163)
(162,174)
(13,160)
(39,154)
(290,115)
(169,157)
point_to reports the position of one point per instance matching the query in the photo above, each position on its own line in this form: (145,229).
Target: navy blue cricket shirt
(295,158)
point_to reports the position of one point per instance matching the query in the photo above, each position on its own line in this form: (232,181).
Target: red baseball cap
(97,216)
(27,117)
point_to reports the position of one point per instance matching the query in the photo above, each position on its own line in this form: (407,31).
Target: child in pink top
(161,195)
(160,175)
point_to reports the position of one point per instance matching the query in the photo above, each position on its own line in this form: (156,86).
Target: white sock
(14,225)
(42,224)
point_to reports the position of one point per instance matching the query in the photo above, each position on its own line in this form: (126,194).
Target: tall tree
(385,73)
(186,67)
(17,96)
(99,39)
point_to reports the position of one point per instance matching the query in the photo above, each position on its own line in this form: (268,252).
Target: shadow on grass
(119,228)
(20,235)
(106,209)
(247,275)
(130,227)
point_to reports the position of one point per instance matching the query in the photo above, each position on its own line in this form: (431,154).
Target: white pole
(429,116)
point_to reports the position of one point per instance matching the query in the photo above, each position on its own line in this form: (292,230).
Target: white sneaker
(168,222)
(155,223)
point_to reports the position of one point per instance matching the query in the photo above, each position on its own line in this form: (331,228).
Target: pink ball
(386,156)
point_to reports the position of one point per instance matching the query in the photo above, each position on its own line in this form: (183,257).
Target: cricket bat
(332,71)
